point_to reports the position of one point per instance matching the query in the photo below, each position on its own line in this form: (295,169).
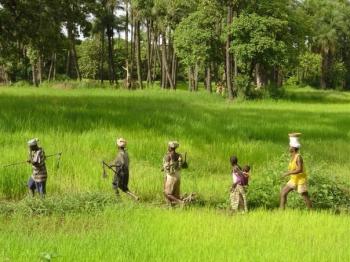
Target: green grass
(130,232)
(81,221)
(84,123)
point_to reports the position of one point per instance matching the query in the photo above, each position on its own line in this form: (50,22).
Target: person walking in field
(296,172)
(121,165)
(37,182)
(240,182)
(172,163)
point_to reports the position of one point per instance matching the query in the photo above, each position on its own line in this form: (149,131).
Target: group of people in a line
(172,165)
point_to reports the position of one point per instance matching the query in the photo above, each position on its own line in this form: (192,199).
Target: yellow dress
(297,179)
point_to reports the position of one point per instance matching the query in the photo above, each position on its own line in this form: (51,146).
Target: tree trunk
(138,54)
(216,72)
(162,74)
(75,60)
(260,76)
(133,48)
(229,59)
(40,69)
(169,56)
(190,79)
(149,53)
(279,73)
(34,75)
(235,67)
(102,55)
(154,57)
(127,78)
(174,69)
(327,61)
(163,71)
(193,80)
(111,70)
(54,66)
(68,63)
(73,53)
(208,79)
(165,62)
(3,75)
(51,68)
(113,65)
(26,64)
(196,70)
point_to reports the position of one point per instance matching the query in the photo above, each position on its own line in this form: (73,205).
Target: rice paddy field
(81,220)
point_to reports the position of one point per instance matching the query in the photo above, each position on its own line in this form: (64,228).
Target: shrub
(326,191)
(245,88)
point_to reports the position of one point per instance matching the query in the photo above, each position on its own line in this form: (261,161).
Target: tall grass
(130,232)
(84,123)
(81,220)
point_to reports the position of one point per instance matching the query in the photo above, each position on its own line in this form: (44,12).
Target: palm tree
(328,23)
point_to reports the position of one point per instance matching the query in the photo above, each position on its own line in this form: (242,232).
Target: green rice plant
(83,123)
(78,203)
(133,232)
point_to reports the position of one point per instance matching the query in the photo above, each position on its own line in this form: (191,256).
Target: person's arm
(298,170)
(118,161)
(180,160)
(38,158)
(30,157)
(234,184)
(166,162)
(113,163)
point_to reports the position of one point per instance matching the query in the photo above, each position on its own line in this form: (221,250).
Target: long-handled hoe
(25,162)
(104,175)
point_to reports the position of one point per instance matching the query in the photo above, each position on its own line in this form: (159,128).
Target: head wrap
(173,144)
(33,142)
(121,142)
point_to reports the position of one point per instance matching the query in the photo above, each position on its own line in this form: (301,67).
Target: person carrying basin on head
(296,172)
(172,163)
(121,165)
(37,181)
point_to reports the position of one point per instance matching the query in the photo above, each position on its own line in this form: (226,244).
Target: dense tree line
(244,46)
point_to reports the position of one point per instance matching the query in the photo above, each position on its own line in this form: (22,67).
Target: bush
(245,88)
(292,81)
(338,73)
(326,192)
(273,91)
(62,77)
(21,83)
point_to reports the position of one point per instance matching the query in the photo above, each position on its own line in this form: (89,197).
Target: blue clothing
(40,187)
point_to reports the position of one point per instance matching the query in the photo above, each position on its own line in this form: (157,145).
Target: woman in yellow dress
(297,173)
